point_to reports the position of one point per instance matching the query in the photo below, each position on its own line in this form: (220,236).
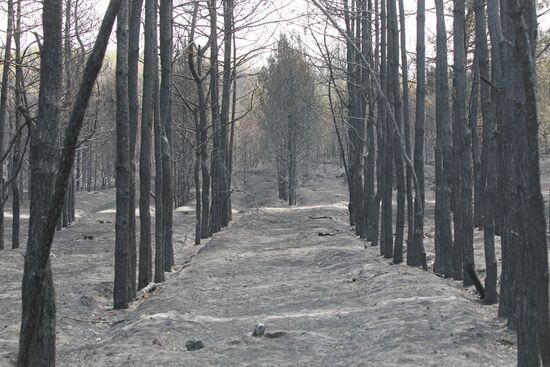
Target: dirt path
(325,300)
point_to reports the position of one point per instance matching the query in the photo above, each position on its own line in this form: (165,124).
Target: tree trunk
(145,256)
(37,336)
(463,249)
(4,90)
(443,154)
(166,21)
(395,89)
(476,146)
(120,292)
(158,131)
(407,129)
(488,158)
(526,205)
(133,58)
(16,174)
(413,258)
(224,114)
(196,176)
(386,244)
(216,209)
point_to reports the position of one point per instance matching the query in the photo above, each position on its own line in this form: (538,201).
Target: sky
(292,15)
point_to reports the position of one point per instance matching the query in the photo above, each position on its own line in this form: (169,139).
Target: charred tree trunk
(463,249)
(16,174)
(394,90)
(145,251)
(413,258)
(166,40)
(443,154)
(386,241)
(4,90)
(158,133)
(224,114)
(406,128)
(122,259)
(133,58)
(526,206)
(215,225)
(488,154)
(37,336)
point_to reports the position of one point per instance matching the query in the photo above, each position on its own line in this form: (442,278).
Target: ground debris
(320,217)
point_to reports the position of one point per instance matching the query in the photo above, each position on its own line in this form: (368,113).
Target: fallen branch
(477,283)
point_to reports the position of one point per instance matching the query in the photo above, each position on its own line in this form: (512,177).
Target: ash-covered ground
(326,297)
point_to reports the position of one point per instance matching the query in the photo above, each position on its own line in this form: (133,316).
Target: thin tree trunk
(133,58)
(370,211)
(413,258)
(407,129)
(4,90)
(16,174)
(166,21)
(488,158)
(224,114)
(215,224)
(196,176)
(463,249)
(476,146)
(145,252)
(158,131)
(394,90)
(443,154)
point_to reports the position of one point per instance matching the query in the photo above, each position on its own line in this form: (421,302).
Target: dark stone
(259,330)
(192,345)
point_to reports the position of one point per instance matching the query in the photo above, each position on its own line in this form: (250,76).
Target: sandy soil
(325,298)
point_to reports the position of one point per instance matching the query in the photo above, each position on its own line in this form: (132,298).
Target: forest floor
(325,297)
